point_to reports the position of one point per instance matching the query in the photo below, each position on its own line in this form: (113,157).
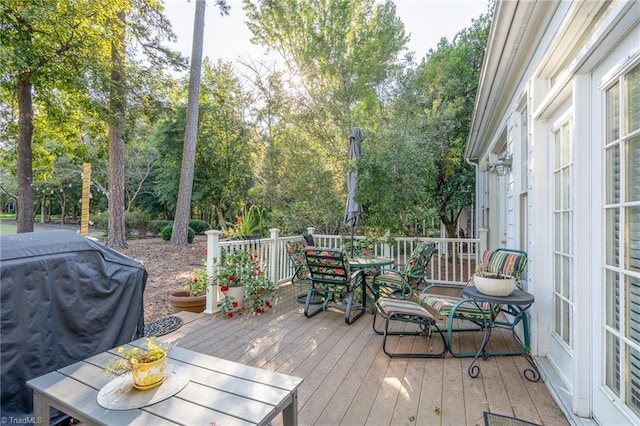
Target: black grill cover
(63,298)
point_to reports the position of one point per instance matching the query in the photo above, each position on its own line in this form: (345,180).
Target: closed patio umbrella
(353,210)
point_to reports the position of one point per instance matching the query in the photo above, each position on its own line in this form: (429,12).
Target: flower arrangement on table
(148,364)
(240,268)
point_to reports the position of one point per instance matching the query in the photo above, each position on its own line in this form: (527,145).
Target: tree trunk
(117,237)
(25,159)
(183,208)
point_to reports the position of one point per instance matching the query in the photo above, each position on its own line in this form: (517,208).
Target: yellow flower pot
(148,375)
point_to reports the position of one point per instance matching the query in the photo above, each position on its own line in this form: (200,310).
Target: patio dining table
(370,265)
(368,262)
(201,390)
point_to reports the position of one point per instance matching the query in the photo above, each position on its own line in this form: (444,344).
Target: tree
(55,49)
(183,207)
(45,48)
(224,154)
(412,165)
(116,236)
(337,54)
(448,83)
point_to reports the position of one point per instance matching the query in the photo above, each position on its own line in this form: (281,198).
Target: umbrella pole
(352,243)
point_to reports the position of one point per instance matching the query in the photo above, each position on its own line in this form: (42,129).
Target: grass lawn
(7,228)
(7,223)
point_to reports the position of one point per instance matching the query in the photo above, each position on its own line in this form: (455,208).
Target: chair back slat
(327,265)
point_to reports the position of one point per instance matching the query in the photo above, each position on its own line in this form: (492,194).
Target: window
(622,236)
(563,219)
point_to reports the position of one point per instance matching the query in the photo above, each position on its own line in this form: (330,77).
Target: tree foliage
(224,156)
(413,166)
(448,82)
(337,54)
(59,58)
(275,136)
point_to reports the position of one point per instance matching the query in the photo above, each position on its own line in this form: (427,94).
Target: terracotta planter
(150,375)
(181,301)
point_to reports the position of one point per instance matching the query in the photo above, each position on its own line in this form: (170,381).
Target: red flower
(230,315)
(232,277)
(258,310)
(269,305)
(234,304)
(205,251)
(224,288)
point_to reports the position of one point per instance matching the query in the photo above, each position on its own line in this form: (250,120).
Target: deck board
(348,380)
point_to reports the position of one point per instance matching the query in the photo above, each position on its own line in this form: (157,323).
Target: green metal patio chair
(457,309)
(295,249)
(332,280)
(403,284)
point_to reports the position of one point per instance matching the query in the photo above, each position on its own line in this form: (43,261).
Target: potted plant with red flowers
(244,283)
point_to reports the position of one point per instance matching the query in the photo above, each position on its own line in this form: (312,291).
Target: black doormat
(162,326)
(492,419)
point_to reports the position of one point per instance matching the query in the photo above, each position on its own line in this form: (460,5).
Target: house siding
(567,52)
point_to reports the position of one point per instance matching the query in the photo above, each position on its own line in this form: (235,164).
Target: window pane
(613,300)
(613,175)
(613,113)
(557,237)
(633,316)
(613,363)
(566,330)
(565,230)
(613,237)
(633,169)
(557,285)
(557,315)
(567,187)
(632,88)
(566,279)
(632,233)
(633,381)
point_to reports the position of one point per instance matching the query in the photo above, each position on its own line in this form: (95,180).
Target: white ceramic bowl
(495,286)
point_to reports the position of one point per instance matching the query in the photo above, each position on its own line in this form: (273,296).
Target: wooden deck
(348,380)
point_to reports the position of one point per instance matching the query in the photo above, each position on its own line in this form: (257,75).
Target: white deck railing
(272,253)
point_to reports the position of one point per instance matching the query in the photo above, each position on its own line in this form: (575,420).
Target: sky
(228,38)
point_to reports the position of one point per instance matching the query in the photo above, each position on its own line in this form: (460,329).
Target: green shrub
(100,220)
(199,226)
(156,226)
(137,223)
(167,230)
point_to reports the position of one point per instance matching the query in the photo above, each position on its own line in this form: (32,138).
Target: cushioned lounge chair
(404,311)
(403,284)
(463,314)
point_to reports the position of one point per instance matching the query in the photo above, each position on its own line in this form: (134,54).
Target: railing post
(483,234)
(274,255)
(213,264)
(386,248)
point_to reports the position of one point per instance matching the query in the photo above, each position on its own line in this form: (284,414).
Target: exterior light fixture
(503,164)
